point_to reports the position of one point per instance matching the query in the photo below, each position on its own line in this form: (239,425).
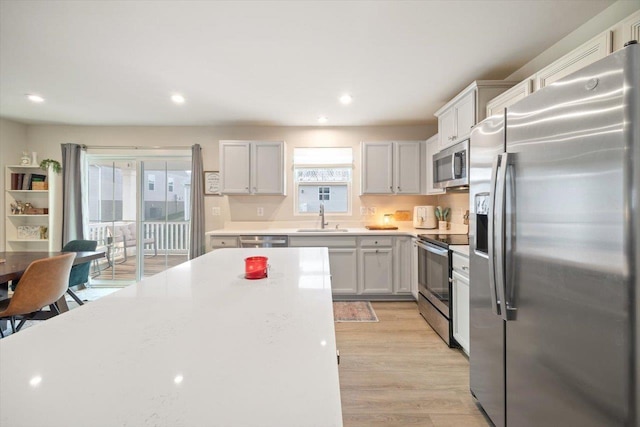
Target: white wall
(13,140)
(46,140)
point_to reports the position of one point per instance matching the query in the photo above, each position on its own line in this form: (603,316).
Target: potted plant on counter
(442,215)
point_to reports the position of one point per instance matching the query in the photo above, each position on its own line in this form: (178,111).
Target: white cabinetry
(252,167)
(506,99)
(344,274)
(391,167)
(458,116)
(29,231)
(379,266)
(343,259)
(591,51)
(629,30)
(432,147)
(376,265)
(402,264)
(223,242)
(460,288)
(414,268)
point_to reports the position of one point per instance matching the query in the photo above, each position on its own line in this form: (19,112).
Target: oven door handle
(432,249)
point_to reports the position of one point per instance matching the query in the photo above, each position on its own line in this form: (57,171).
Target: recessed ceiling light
(346,99)
(35,98)
(178,99)
(322,119)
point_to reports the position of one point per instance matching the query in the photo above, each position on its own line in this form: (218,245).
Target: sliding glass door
(166,197)
(138,209)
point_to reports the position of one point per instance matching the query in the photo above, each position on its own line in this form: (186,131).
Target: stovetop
(444,240)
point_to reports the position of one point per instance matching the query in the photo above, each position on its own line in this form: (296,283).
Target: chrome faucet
(322,223)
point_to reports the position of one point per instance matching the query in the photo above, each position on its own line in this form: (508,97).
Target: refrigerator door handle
(491,238)
(499,236)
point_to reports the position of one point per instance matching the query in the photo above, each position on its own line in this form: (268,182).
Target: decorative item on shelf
(34,158)
(44,232)
(31,232)
(25,160)
(441,215)
(55,165)
(36,211)
(39,185)
(17,208)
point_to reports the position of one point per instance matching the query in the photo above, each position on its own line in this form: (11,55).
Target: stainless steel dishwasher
(264,241)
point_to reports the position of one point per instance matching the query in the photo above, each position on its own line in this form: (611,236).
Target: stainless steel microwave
(451,166)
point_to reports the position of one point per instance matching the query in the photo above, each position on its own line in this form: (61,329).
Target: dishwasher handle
(261,242)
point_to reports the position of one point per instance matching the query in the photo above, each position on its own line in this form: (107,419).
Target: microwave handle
(456,161)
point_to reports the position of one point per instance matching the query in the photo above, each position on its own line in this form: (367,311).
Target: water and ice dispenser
(481,203)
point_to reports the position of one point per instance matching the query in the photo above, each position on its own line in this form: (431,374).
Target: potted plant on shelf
(55,165)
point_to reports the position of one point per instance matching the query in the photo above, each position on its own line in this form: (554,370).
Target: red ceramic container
(255,267)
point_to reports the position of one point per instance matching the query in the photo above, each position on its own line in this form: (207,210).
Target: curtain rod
(137,147)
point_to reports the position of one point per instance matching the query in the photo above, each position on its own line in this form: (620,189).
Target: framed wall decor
(212,183)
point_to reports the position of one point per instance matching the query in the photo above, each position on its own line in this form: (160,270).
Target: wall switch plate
(260,212)
(363,210)
(215,211)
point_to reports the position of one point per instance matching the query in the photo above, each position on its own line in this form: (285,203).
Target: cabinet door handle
(391,188)
(399,188)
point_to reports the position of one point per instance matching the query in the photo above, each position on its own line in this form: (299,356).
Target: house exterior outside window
(322,175)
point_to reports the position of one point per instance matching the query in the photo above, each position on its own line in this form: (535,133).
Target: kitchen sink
(321,230)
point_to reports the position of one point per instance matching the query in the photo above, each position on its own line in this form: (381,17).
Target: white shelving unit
(38,199)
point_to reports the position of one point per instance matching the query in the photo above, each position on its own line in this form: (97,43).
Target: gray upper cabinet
(391,167)
(252,167)
(458,116)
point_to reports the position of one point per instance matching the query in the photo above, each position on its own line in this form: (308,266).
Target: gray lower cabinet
(344,273)
(343,257)
(376,270)
(380,266)
(402,265)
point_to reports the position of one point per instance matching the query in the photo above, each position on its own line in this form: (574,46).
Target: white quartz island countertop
(196,345)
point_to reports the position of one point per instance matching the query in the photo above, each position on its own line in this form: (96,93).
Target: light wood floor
(398,372)
(126,270)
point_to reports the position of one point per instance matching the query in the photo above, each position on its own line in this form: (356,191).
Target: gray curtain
(72,219)
(197,243)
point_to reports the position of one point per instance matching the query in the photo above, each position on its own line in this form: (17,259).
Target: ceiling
(264,62)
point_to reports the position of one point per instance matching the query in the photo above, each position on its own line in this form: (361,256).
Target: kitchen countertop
(461,249)
(263,229)
(194,345)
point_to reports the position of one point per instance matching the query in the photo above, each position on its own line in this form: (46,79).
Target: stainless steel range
(434,272)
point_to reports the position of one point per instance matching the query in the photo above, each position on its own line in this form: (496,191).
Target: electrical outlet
(363,210)
(215,211)
(372,210)
(260,212)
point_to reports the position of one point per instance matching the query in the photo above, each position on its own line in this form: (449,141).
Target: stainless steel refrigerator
(554,252)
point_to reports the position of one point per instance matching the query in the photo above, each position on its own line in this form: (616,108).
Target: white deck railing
(171,237)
